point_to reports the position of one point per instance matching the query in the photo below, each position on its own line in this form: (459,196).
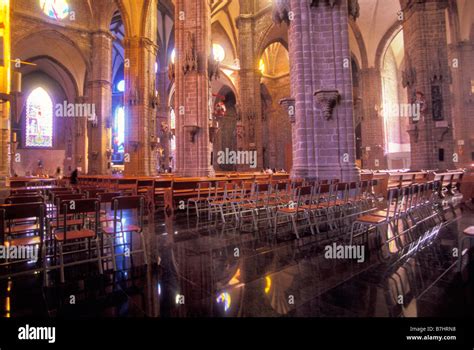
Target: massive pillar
(162,117)
(193,48)
(250,96)
(4,91)
(321,85)
(462,55)
(427,77)
(140,86)
(80,142)
(100,95)
(372,122)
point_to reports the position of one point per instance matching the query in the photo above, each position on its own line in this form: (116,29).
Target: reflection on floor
(202,269)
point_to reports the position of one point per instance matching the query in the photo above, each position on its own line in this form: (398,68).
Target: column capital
(104,33)
(419,5)
(140,42)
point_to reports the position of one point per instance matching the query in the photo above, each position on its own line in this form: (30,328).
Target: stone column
(81,142)
(249,83)
(462,56)
(321,84)
(163,117)
(372,125)
(192,97)
(100,96)
(427,71)
(5,68)
(140,121)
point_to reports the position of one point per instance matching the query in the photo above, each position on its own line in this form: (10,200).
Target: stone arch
(60,49)
(385,43)
(364,61)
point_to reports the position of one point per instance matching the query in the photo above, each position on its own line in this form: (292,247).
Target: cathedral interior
(236,158)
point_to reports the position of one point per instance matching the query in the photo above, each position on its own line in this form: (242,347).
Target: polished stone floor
(199,269)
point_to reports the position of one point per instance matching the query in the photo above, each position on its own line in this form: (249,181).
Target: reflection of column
(463,100)
(250,95)
(288,104)
(140,117)
(427,71)
(372,123)
(163,117)
(5,159)
(80,138)
(324,144)
(193,43)
(100,92)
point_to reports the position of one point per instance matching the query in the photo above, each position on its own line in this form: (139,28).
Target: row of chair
(67,222)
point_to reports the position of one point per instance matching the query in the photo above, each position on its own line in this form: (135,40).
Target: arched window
(39,119)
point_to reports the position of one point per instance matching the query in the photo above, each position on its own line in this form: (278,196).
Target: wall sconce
(108,153)
(94,155)
(289,105)
(134,145)
(133,97)
(191,130)
(14,138)
(153,142)
(213,130)
(155,100)
(94,121)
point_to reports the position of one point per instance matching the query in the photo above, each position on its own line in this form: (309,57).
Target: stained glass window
(39,119)
(57,9)
(119,131)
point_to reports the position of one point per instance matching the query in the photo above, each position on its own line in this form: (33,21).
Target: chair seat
(22,229)
(121,229)
(73,222)
(34,240)
(219,202)
(371,219)
(290,210)
(469,231)
(197,199)
(382,213)
(72,235)
(108,218)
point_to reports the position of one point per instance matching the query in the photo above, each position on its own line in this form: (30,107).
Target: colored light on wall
(225,299)
(57,9)
(5,54)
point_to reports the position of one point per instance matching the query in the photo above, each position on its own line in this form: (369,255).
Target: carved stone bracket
(289,105)
(135,145)
(442,129)
(414,132)
(354,9)
(191,57)
(94,155)
(281,12)
(191,131)
(327,100)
